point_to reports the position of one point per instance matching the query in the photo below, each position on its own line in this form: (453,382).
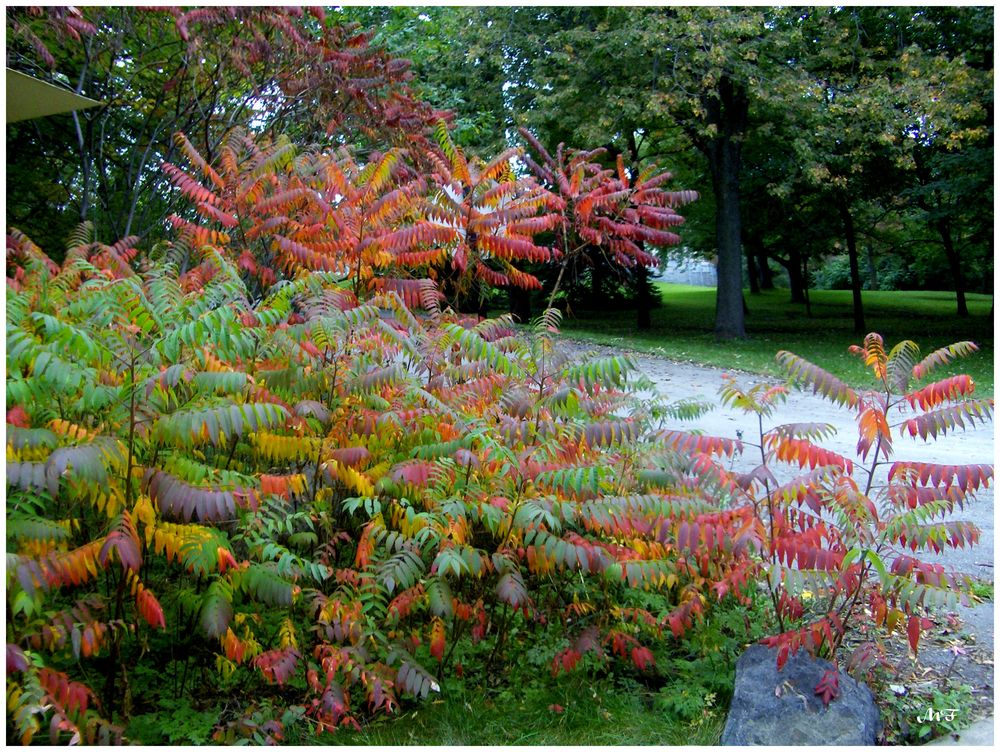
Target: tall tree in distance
(952,134)
(456,63)
(872,108)
(844,96)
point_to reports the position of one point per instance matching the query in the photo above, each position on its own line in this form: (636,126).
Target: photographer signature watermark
(935,715)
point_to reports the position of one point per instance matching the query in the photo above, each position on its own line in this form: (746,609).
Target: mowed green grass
(569,714)
(683,330)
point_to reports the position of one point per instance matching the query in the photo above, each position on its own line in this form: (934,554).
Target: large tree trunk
(729,113)
(943,227)
(988,272)
(643,302)
(872,271)
(86,165)
(796,275)
(729,321)
(757,266)
(597,275)
(850,237)
(520,304)
(796,280)
(805,284)
(752,273)
(766,279)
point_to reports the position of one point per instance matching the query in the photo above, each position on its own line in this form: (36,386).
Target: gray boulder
(772,707)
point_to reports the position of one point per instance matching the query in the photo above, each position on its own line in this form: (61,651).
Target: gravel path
(975,632)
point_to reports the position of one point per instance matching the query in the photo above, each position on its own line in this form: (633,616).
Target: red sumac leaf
(333,704)
(416,473)
(72,696)
(913,631)
(642,657)
(783,653)
(226,560)
(278,665)
(247,262)
(125,542)
(352,456)
(565,661)
(401,606)
(510,589)
(941,391)
(190,187)
(150,609)
(437,640)
(16,659)
(18,417)
(225,219)
(829,687)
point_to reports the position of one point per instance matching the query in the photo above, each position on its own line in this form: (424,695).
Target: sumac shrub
(835,540)
(309,497)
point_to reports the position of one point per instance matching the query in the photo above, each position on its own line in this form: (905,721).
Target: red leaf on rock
(783,653)
(829,687)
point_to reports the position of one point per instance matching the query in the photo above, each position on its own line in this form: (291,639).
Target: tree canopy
(881,115)
(811,135)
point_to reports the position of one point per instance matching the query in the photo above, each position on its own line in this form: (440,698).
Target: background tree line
(849,146)
(845,146)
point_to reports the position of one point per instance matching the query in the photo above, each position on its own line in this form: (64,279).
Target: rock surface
(772,707)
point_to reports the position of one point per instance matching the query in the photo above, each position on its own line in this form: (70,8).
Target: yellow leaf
(70,430)
(287,635)
(144,512)
(90,560)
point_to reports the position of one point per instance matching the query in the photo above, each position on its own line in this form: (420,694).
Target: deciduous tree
(200,71)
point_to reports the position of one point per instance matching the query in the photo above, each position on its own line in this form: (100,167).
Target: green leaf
(439,597)
(216,608)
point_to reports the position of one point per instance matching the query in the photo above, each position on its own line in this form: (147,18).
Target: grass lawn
(571,712)
(682,330)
